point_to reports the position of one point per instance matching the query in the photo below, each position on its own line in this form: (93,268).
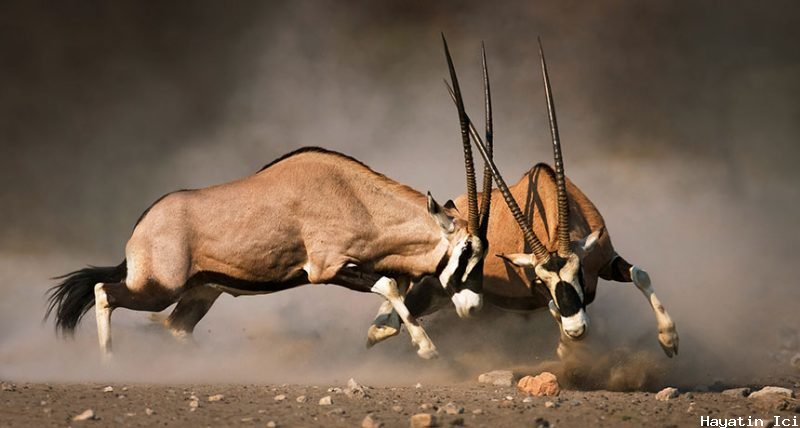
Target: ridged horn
(531,240)
(561,186)
(487,173)
(469,166)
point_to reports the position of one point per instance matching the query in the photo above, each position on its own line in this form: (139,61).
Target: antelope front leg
(387,288)
(667,334)
(385,325)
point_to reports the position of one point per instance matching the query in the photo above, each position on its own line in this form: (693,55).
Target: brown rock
(423,420)
(543,384)
(736,392)
(87,415)
(667,394)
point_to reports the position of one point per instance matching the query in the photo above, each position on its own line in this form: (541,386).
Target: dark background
(680,120)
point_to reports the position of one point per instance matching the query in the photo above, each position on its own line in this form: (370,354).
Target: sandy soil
(27,405)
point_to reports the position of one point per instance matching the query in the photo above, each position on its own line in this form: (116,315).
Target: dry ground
(40,405)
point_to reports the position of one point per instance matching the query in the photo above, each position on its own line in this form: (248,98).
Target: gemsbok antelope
(556,260)
(311,216)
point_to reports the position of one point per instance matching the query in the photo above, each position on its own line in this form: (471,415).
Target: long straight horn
(487,172)
(561,186)
(531,240)
(472,197)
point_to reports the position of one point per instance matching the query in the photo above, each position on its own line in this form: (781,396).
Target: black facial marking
(555,264)
(567,299)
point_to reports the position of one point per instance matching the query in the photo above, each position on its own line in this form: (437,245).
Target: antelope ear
(450,205)
(519,259)
(437,212)
(587,244)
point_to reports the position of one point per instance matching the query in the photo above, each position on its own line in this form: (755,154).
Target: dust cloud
(680,121)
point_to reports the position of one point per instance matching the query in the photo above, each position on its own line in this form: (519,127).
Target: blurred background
(679,120)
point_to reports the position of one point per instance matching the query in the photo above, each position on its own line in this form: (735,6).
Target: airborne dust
(680,121)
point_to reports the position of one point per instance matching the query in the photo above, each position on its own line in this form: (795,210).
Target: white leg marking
(667,334)
(387,288)
(467,301)
(103,316)
(384,326)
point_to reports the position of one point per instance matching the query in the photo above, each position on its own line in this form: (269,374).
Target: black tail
(75,295)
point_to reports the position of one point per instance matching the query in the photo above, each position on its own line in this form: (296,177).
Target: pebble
(667,394)
(108,389)
(335,390)
(543,384)
(271,424)
(301,399)
(87,414)
(550,404)
(453,409)
(397,409)
(10,387)
(477,412)
(148,411)
(279,397)
(527,400)
(371,422)
(497,378)
(423,420)
(248,419)
(337,411)
(541,423)
(325,401)
(418,385)
(772,391)
(736,392)
(216,397)
(354,390)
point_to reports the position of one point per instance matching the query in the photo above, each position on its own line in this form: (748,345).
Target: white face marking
(467,301)
(452,264)
(575,325)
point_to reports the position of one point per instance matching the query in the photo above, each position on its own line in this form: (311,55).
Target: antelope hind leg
(193,305)
(387,287)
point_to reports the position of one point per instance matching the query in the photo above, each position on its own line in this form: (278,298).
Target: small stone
(541,423)
(543,384)
(271,424)
(87,415)
(248,419)
(550,404)
(108,389)
(772,391)
(690,409)
(300,399)
(397,409)
(216,397)
(423,420)
(527,400)
(194,405)
(124,388)
(497,378)
(736,392)
(279,397)
(10,387)
(325,401)
(336,411)
(418,385)
(426,406)
(148,411)
(453,409)
(477,412)
(667,394)
(354,390)
(335,390)
(370,422)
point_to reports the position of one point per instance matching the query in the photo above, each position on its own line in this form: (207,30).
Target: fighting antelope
(311,216)
(555,262)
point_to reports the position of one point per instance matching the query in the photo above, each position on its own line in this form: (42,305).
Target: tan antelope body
(556,243)
(312,216)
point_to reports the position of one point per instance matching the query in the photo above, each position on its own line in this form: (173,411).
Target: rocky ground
(472,404)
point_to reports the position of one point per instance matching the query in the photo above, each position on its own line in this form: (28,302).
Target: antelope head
(560,272)
(463,274)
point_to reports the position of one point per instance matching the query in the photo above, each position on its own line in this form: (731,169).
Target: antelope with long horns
(553,256)
(312,216)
